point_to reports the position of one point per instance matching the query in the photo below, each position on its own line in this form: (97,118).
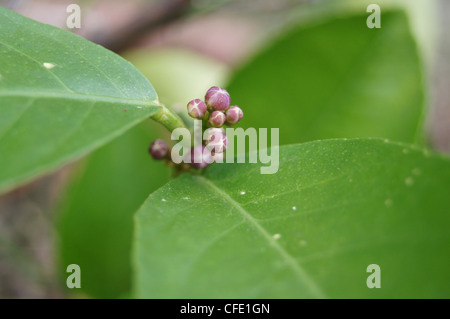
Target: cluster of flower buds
(216,112)
(216,109)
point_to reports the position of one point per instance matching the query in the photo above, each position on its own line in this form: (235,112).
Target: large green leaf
(310,230)
(60,97)
(336,78)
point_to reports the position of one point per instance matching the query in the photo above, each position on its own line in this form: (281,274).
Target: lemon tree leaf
(61,96)
(311,230)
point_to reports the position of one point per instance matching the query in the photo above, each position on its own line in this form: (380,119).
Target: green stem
(168,118)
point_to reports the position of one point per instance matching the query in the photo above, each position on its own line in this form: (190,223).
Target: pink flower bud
(217,119)
(196,108)
(200,158)
(217,98)
(216,140)
(234,115)
(158,149)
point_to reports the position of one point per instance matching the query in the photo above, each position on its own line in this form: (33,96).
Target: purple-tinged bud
(216,140)
(158,149)
(200,157)
(196,109)
(217,157)
(234,115)
(217,119)
(217,98)
(211,131)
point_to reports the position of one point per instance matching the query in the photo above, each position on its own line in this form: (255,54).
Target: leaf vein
(300,273)
(12,123)
(60,81)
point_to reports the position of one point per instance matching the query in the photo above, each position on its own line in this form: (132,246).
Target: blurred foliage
(336,79)
(178,75)
(95,225)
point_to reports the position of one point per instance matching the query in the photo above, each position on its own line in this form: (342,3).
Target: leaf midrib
(300,273)
(77,96)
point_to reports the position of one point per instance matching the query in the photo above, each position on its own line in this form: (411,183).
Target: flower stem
(168,118)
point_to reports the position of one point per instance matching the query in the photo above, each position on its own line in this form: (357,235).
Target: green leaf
(61,97)
(96,216)
(310,230)
(333,79)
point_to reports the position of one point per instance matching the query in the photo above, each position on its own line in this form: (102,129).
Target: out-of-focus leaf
(96,217)
(335,79)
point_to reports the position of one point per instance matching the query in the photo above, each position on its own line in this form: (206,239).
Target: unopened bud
(200,158)
(158,149)
(217,98)
(234,115)
(196,108)
(216,140)
(217,119)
